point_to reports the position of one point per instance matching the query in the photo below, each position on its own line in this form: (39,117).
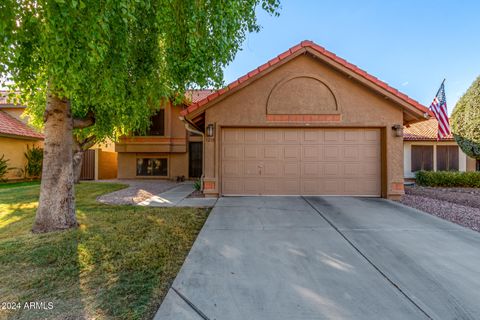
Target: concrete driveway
(326,258)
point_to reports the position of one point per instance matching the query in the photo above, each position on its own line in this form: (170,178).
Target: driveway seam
(190,304)
(366,258)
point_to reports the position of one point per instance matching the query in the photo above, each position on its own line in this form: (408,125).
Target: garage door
(281,161)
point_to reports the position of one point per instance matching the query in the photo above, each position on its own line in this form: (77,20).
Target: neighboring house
(305,123)
(15,134)
(15,137)
(423,151)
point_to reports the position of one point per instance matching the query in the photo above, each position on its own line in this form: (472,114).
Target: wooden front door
(195,159)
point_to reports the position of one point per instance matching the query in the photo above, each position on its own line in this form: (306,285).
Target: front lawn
(117,265)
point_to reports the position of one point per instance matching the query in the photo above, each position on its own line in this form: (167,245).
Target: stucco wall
(471,164)
(177,164)
(107,164)
(172,146)
(358,106)
(463,160)
(14,150)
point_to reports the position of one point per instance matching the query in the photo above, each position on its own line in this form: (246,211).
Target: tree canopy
(465,121)
(117,59)
(102,67)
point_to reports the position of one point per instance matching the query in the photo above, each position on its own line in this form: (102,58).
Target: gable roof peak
(330,57)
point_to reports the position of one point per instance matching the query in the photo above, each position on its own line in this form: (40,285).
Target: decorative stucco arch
(302,94)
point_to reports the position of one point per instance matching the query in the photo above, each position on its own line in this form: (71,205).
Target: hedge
(448,179)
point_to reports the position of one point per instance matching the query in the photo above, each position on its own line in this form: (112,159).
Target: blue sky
(412,45)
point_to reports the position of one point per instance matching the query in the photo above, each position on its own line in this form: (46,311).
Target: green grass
(117,265)
(4,185)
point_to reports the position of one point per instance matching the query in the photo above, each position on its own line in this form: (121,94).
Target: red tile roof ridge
(304,45)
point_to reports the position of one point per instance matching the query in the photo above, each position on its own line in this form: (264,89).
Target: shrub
(33,168)
(448,179)
(197,185)
(3,167)
(465,121)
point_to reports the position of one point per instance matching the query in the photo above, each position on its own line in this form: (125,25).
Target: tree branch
(87,143)
(86,122)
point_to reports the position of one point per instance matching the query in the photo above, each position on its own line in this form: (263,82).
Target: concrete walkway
(326,258)
(177,197)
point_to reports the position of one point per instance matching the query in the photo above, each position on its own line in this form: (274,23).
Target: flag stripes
(439,108)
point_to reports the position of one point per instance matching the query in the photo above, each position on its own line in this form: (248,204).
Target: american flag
(439,108)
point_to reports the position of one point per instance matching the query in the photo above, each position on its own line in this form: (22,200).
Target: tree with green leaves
(97,69)
(465,121)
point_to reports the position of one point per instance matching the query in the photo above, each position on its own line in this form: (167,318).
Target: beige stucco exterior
(127,163)
(173,146)
(14,149)
(349,104)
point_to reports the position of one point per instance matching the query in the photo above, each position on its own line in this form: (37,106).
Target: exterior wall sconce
(398,128)
(210,130)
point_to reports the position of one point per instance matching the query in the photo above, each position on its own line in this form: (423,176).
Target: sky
(411,45)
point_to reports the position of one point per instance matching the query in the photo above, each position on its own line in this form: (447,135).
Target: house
(100,161)
(15,137)
(306,122)
(423,151)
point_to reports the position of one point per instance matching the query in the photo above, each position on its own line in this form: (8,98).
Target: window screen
(422,158)
(447,158)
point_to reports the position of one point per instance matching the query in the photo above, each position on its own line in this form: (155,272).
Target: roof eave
(16,136)
(412,107)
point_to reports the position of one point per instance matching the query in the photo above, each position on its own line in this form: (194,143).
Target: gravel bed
(138,191)
(460,206)
(464,196)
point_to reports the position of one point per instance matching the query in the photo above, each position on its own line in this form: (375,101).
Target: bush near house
(34,156)
(3,167)
(448,179)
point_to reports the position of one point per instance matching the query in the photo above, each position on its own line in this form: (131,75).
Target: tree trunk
(56,207)
(77,164)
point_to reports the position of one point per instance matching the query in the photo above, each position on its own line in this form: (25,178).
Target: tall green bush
(465,121)
(448,179)
(3,167)
(34,156)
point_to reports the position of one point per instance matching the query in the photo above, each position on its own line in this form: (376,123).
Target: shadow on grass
(117,265)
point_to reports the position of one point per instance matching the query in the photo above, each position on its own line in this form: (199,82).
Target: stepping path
(177,197)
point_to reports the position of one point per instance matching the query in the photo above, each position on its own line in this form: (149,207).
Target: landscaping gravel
(464,196)
(458,205)
(138,191)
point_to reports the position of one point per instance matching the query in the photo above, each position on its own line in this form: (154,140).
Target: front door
(195,159)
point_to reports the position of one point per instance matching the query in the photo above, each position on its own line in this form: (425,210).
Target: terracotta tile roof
(196,95)
(320,50)
(13,127)
(423,131)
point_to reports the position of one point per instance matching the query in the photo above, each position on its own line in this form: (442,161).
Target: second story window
(157,124)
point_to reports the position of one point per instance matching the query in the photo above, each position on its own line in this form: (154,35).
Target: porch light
(210,130)
(398,128)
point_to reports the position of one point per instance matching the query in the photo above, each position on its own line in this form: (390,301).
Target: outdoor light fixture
(210,130)
(398,128)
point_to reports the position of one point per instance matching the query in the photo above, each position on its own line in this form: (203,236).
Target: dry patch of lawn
(117,265)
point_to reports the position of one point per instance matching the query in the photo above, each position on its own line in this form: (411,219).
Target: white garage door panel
(279,161)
